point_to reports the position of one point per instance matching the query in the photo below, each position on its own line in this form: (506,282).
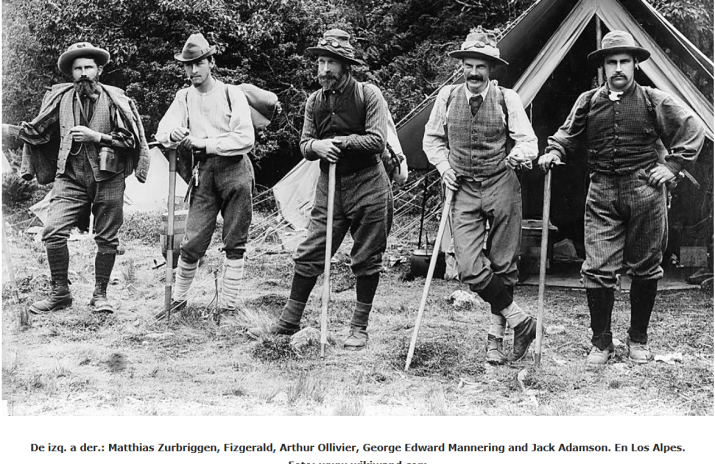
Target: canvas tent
(138,197)
(547,48)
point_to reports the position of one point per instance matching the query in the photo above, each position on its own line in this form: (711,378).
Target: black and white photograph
(484,229)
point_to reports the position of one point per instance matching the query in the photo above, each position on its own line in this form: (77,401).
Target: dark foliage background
(403,43)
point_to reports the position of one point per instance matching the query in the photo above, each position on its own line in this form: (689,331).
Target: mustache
(477,78)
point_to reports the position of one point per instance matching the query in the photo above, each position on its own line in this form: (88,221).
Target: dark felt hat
(617,42)
(195,48)
(336,43)
(81,49)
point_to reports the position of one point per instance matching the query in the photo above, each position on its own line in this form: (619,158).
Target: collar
(623,93)
(484,93)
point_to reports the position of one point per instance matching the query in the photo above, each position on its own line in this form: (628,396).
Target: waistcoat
(101,122)
(347,117)
(477,143)
(621,134)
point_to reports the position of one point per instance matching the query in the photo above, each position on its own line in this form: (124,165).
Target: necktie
(475,103)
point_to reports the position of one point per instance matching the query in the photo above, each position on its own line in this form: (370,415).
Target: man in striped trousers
(626,220)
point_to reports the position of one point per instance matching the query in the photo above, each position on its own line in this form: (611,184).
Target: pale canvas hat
(617,42)
(81,49)
(479,44)
(336,43)
(195,48)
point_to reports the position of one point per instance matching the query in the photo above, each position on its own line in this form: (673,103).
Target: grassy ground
(75,362)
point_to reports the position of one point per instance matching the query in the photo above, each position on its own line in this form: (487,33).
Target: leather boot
(495,350)
(524,334)
(288,324)
(58,259)
(60,298)
(99,300)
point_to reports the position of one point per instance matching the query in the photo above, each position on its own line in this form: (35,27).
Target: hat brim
(211,51)
(461,54)
(326,51)
(64,63)
(596,58)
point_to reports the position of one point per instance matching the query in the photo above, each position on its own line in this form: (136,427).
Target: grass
(197,364)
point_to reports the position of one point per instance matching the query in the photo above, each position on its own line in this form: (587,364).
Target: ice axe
(542,264)
(328,256)
(430,272)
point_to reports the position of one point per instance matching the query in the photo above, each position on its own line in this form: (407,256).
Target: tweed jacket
(42,157)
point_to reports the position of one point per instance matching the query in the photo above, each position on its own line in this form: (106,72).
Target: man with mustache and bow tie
(477,135)
(101,141)
(626,221)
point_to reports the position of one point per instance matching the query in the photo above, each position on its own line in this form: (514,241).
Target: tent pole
(599,34)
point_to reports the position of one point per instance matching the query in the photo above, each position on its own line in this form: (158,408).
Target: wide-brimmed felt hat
(195,48)
(336,43)
(81,49)
(479,44)
(617,42)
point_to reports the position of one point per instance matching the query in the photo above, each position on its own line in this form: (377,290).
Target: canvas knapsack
(264,104)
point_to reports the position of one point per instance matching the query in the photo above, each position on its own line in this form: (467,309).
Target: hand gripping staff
(542,265)
(328,256)
(430,273)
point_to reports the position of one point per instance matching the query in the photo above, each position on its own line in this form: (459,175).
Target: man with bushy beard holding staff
(101,141)
(345,123)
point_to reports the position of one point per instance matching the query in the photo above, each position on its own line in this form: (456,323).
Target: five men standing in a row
(478,134)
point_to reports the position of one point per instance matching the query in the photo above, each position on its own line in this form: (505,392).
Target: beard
(330,81)
(85,86)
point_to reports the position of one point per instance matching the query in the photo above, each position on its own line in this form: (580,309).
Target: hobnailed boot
(357,340)
(99,300)
(495,350)
(58,259)
(288,324)
(103,265)
(60,298)
(524,334)
(643,293)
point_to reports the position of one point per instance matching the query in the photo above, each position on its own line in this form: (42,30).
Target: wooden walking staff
(542,265)
(328,257)
(170,235)
(8,265)
(430,273)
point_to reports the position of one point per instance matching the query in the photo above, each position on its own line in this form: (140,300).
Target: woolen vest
(347,117)
(477,144)
(101,122)
(621,134)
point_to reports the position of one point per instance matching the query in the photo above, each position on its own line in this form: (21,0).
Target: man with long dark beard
(477,135)
(345,124)
(101,141)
